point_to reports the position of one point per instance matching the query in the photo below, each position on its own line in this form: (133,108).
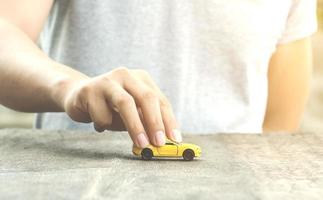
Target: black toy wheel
(146,154)
(188,154)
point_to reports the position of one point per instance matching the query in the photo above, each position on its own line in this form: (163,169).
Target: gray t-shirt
(210,57)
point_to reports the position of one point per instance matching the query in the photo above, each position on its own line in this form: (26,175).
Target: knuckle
(148,95)
(146,76)
(107,80)
(144,73)
(165,104)
(85,91)
(122,70)
(123,100)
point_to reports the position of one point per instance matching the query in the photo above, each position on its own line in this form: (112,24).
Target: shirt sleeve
(301,21)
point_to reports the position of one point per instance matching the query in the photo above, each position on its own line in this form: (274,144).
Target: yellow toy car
(170,149)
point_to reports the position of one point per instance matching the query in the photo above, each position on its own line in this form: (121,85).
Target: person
(218,66)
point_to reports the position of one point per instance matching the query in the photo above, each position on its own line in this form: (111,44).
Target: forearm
(289,77)
(29,80)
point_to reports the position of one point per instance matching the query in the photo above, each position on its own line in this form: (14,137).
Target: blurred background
(312,119)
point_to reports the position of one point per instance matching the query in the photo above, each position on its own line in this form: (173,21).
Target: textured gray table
(75,165)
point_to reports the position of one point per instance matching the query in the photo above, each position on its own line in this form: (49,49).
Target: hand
(127,94)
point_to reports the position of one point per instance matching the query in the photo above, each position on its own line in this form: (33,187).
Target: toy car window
(168,143)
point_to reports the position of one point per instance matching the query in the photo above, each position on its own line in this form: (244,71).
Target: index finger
(124,104)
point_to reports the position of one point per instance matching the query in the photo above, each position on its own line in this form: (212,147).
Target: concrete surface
(78,165)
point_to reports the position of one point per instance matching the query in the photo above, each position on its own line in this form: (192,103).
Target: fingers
(100,113)
(117,123)
(150,109)
(168,117)
(74,107)
(125,105)
(144,110)
(169,120)
(148,102)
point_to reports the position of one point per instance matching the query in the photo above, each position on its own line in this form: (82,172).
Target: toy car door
(169,149)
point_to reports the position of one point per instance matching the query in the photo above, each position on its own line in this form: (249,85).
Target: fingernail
(142,140)
(177,135)
(160,138)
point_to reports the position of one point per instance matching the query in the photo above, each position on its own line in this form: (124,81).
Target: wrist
(63,86)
